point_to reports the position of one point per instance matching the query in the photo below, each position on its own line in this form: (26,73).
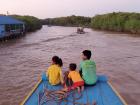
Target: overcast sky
(57,8)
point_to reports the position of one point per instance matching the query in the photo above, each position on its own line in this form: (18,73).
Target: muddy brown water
(23,60)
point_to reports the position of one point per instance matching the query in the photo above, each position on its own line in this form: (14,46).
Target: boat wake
(51,39)
(62,37)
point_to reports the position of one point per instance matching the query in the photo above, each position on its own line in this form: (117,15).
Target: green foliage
(121,22)
(133,26)
(68,21)
(31,23)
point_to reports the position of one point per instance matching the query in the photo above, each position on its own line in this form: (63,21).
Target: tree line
(116,21)
(121,22)
(31,23)
(68,21)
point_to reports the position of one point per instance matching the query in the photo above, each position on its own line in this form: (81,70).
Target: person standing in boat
(88,68)
(54,72)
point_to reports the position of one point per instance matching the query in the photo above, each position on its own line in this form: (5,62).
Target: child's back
(54,74)
(88,68)
(75,76)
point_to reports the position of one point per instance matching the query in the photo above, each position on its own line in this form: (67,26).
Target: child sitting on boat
(54,72)
(76,78)
(88,68)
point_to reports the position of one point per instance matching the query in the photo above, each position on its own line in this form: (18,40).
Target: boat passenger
(54,72)
(77,80)
(88,68)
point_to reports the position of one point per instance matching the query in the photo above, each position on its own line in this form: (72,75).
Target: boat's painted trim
(117,93)
(31,92)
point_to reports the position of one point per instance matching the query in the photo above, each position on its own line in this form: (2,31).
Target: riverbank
(117,22)
(69,21)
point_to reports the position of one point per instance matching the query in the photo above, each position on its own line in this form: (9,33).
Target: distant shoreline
(106,31)
(118,22)
(123,22)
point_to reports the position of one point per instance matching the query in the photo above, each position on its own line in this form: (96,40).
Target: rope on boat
(48,97)
(57,96)
(61,96)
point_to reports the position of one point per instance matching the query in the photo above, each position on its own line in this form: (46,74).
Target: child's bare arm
(61,78)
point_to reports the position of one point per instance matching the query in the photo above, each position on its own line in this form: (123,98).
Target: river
(23,60)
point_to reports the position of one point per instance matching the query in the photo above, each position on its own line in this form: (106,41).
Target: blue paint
(2,30)
(102,93)
(9,20)
(44,78)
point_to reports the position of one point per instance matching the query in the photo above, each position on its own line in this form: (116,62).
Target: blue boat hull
(102,93)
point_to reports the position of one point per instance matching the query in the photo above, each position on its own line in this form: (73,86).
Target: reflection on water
(22,60)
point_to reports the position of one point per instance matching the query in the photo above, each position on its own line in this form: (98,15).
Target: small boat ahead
(80,30)
(103,93)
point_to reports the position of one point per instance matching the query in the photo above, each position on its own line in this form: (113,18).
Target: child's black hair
(87,53)
(72,66)
(57,60)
